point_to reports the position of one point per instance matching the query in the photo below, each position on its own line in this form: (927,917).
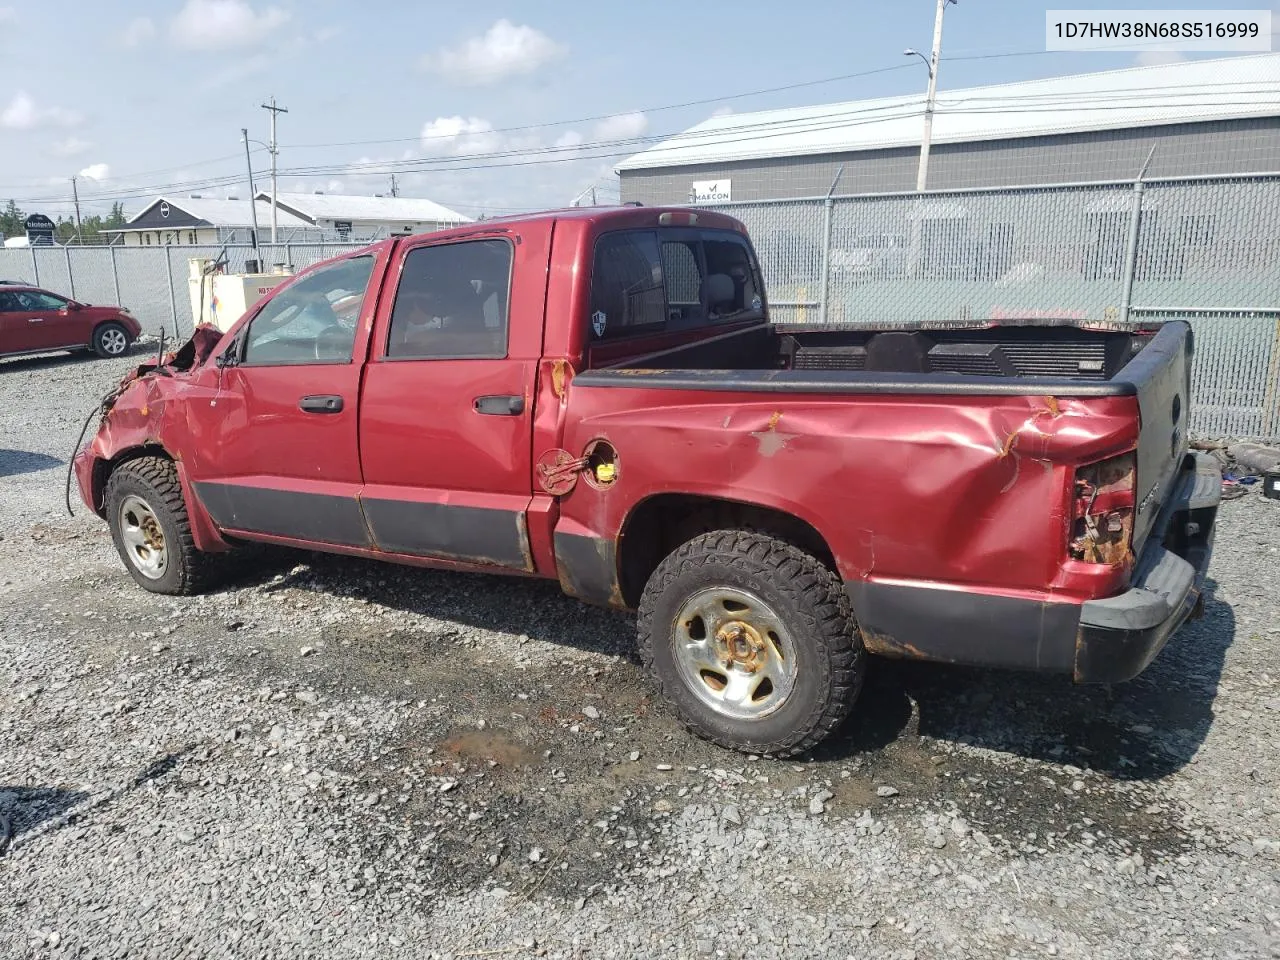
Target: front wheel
(753,640)
(150,528)
(110,340)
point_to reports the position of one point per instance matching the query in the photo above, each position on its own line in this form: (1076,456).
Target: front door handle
(35,319)
(321,403)
(500,406)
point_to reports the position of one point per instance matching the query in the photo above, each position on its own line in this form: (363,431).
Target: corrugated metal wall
(1189,149)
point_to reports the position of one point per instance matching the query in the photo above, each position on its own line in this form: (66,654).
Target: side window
(626,285)
(45,301)
(313,320)
(732,286)
(9,303)
(452,302)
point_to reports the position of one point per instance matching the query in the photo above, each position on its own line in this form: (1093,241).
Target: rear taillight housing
(1103,506)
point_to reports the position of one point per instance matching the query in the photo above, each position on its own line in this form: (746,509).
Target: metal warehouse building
(1202,117)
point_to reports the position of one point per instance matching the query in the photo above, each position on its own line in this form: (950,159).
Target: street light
(922,175)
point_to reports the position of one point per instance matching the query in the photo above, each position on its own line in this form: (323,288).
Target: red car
(598,397)
(37,321)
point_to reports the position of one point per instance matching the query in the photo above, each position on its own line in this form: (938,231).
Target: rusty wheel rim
(734,653)
(143,538)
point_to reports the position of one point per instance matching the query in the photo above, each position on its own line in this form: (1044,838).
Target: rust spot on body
(884,645)
(559,373)
(770,439)
(1051,404)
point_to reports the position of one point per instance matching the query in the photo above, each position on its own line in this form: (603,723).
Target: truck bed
(1033,356)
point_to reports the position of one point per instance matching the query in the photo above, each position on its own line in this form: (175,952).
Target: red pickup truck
(598,396)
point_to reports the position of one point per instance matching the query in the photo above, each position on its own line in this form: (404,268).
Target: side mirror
(72,305)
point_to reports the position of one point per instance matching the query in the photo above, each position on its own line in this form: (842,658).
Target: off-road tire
(154,480)
(804,593)
(110,331)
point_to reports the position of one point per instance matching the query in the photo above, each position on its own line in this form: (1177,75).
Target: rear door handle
(500,406)
(321,403)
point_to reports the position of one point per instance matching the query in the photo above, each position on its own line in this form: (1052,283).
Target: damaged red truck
(598,396)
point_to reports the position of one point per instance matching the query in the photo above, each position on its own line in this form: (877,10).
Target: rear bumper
(1097,641)
(1119,636)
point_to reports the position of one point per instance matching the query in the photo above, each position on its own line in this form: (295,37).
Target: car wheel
(151,529)
(753,640)
(111,340)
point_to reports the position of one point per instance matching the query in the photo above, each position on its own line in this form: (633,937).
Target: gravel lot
(335,758)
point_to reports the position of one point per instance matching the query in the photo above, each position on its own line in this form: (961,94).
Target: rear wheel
(110,340)
(151,530)
(753,640)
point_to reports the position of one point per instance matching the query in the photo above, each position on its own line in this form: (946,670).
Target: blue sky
(142,97)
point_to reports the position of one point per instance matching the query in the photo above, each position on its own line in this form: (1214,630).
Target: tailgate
(1161,375)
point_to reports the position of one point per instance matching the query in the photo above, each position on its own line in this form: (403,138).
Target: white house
(186,221)
(366,217)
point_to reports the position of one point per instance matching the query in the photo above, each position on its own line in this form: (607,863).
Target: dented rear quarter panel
(971,491)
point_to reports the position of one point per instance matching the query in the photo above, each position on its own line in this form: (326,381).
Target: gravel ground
(336,758)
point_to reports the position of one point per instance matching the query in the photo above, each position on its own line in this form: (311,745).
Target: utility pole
(922,176)
(76,194)
(253,197)
(274,151)
(395,189)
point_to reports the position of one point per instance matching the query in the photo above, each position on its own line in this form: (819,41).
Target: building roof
(330,206)
(1189,91)
(215,212)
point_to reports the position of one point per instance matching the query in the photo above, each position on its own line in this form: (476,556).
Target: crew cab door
(446,409)
(273,451)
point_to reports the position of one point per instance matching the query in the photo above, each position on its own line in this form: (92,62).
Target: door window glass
(452,302)
(35,300)
(626,285)
(314,319)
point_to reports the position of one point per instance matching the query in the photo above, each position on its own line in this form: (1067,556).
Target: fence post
(71,277)
(1131,247)
(35,267)
(826,247)
(173,301)
(288,256)
(1131,253)
(115,275)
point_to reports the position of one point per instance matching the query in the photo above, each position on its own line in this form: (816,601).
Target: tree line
(13,224)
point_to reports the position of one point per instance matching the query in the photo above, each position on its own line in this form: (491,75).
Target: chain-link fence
(1203,249)
(1083,251)
(151,281)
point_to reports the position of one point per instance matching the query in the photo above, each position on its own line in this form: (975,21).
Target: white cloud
(222,24)
(504,50)
(70,147)
(325,34)
(570,138)
(23,113)
(138,32)
(333,186)
(1154,58)
(623,126)
(460,135)
(96,171)
(722,111)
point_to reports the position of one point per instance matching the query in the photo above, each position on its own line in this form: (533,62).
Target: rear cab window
(654,281)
